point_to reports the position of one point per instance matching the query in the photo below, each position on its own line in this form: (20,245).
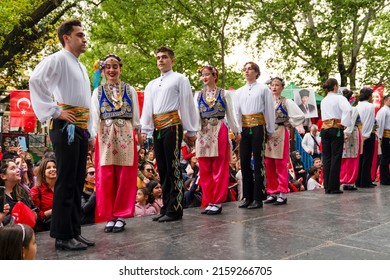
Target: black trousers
(253,181)
(332,149)
(385,161)
(167,147)
(365,162)
(71,164)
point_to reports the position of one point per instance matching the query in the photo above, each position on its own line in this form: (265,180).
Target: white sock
(110,223)
(271,197)
(209,207)
(283,195)
(119,222)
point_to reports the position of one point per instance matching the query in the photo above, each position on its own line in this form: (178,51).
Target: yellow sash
(165,120)
(80,112)
(386,133)
(332,123)
(253,120)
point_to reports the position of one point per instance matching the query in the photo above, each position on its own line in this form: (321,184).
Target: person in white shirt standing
(165,97)
(311,142)
(60,92)
(367,117)
(336,115)
(383,120)
(255,111)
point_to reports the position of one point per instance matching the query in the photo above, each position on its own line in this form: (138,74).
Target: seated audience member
(233,169)
(14,191)
(17,242)
(299,169)
(4,213)
(192,193)
(42,194)
(154,188)
(144,205)
(240,194)
(145,175)
(150,158)
(88,197)
(25,173)
(312,183)
(187,152)
(141,157)
(317,162)
(192,168)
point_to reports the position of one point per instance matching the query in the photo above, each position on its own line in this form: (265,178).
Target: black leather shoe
(215,212)
(270,199)
(244,204)
(169,219)
(84,240)
(109,228)
(349,188)
(117,228)
(158,217)
(256,204)
(284,201)
(334,192)
(70,245)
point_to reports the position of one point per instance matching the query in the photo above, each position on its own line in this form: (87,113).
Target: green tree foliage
(323,37)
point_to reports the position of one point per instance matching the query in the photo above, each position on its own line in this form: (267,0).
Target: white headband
(24,232)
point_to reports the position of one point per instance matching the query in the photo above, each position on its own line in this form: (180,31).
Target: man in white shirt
(165,98)
(383,120)
(311,142)
(367,117)
(255,111)
(60,93)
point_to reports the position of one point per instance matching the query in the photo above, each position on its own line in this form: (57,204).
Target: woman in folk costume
(212,144)
(287,114)
(352,148)
(115,115)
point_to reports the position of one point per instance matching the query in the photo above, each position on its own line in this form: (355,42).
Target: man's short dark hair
(365,93)
(170,52)
(67,28)
(312,170)
(255,67)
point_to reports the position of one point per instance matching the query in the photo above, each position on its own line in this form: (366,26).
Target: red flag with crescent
(21,111)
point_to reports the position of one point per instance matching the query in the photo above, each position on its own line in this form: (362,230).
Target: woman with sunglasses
(115,119)
(88,197)
(212,144)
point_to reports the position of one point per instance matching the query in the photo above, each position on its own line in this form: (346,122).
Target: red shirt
(44,200)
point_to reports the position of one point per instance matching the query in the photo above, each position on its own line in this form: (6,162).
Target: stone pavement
(312,226)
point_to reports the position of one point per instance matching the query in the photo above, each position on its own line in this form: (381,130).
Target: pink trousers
(276,170)
(214,171)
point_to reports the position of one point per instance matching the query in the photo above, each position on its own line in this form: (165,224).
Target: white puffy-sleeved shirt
(253,99)
(60,77)
(170,92)
(335,106)
(367,117)
(383,119)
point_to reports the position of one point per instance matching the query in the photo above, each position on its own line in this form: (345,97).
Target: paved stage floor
(312,226)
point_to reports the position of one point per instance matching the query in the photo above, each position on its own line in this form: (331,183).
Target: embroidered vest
(281,115)
(216,111)
(107,108)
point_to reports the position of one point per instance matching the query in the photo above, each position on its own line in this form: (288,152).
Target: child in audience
(17,242)
(154,188)
(144,205)
(312,183)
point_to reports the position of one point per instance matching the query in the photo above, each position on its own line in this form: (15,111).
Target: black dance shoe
(169,219)
(278,202)
(158,217)
(70,245)
(84,240)
(121,228)
(271,199)
(215,212)
(256,204)
(244,204)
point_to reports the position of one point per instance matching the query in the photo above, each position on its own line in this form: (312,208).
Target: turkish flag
(140,101)
(21,111)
